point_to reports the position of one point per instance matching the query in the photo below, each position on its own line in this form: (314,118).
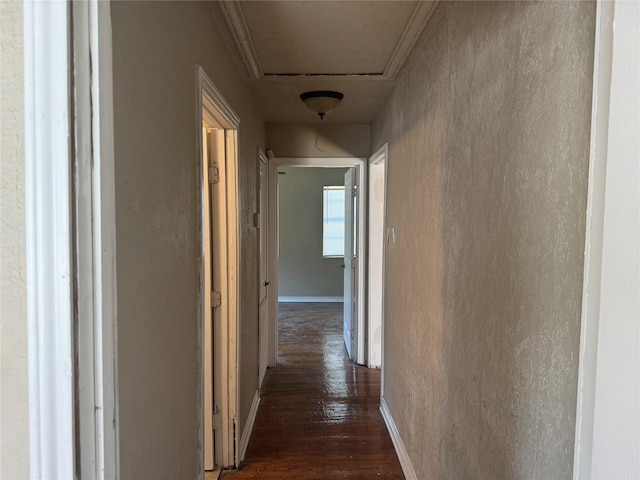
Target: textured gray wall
(488,129)
(302,270)
(318,140)
(156,46)
(14,396)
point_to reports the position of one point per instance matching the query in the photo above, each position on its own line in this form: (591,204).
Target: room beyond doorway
(358,336)
(307,272)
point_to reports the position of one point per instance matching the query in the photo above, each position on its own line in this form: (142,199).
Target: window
(333,222)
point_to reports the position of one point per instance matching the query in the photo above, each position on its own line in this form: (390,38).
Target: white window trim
(324,190)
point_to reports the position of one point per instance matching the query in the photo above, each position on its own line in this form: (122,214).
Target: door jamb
(614,124)
(211,101)
(380,156)
(274,164)
(262,158)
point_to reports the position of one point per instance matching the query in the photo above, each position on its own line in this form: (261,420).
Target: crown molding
(233,14)
(415,26)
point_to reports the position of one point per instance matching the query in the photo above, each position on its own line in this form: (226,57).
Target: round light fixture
(321,101)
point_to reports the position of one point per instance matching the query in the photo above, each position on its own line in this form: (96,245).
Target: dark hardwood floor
(318,416)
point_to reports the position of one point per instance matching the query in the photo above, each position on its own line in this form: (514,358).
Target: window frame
(326,251)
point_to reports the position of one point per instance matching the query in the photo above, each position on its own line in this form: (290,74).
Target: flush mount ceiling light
(322,101)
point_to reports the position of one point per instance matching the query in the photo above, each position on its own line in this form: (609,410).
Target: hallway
(318,416)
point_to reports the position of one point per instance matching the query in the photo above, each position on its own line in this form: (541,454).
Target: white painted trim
(593,241)
(106,341)
(263,222)
(49,238)
(608,404)
(398,444)
(318,162)
(248,427)
(95,232)
(310,299)
(237,23)
(217,105)
(417,23)
(361,163)
(84,282)
(205,280)
(209,99)
(234,310)
(379,157)
(272,355)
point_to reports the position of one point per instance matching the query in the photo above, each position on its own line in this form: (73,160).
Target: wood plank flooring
(318,417)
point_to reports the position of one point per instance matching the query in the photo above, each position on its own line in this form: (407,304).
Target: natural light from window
(333,221)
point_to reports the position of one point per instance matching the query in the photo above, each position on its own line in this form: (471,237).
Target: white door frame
(608,406)
(274,164)
(263,339)
(211,106)
(69,134)
(375,263)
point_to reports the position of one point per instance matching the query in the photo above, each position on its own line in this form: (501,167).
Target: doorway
(218,275)
(376,242)
(358,351)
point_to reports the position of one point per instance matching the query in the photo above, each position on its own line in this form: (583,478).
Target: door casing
(264,278)
(213,110)
(375,260)
(360,355)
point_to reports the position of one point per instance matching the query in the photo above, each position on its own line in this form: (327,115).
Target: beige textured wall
(156,46)
(488,130)
(318,140)
(14,394)
(302,270)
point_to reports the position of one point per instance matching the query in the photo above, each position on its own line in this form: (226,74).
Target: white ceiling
(354,47)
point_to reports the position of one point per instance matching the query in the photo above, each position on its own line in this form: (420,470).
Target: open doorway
(218,274)
(357,342)
(311,235)
(376,243)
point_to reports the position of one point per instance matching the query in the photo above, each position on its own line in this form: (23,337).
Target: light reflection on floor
(319,414)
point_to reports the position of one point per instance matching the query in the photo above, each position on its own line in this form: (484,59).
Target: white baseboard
(311,299)
(248,427)
(401,451)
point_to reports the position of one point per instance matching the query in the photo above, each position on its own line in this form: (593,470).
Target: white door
(214,156)
(219,304)
(207,313)
(264,276)
(209,457)
(350,260)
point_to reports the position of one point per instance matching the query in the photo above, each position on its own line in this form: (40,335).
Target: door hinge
(214,175)
(216,299)
(354,191)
